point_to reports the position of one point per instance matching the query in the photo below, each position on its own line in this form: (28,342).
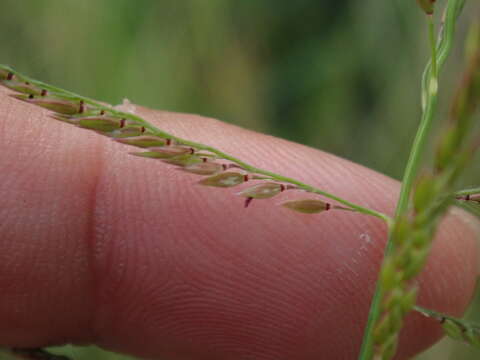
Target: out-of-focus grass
(341,76)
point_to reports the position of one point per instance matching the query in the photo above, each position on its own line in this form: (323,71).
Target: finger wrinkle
(92,236)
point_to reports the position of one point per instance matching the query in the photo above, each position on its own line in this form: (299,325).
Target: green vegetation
(343,78)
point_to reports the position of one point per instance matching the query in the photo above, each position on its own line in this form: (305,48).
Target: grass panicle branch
(414,229)
(410,236)
(467,194)
(130,129)
(457,329)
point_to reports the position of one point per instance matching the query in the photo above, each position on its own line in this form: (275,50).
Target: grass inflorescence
(217,168)
(425,196)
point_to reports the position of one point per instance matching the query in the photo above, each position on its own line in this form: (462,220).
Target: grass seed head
(145,141)
(205,168)
(5,74)
(61,106)
(99,123)
(307,206)
(262,191)
(129,130)
(226,179)
(151,155)
(171,151)
(23,87)
(184,160)
(425,192)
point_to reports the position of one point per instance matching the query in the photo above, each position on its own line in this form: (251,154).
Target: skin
(97,246)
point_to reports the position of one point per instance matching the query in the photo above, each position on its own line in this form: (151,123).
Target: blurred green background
(338,75)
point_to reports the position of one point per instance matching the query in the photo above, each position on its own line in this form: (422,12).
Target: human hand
(130,254)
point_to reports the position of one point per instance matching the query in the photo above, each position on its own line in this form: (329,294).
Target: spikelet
(226,179)
(307,206)
(184,160)
(67,107)
(205,168)
(99,123)
(129,130)
(151,155)
(145,141)
(175,150)
(24,87)
(263,191)
(5,75)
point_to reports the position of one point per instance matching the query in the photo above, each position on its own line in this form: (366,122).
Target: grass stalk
(430,99)
(63,94)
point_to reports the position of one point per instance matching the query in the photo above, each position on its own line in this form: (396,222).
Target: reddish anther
(44,92)
(248,201)
(245,178)
(142,130)
(10,76)
(169,142)
(122,123)
(327,206)
(81,109)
